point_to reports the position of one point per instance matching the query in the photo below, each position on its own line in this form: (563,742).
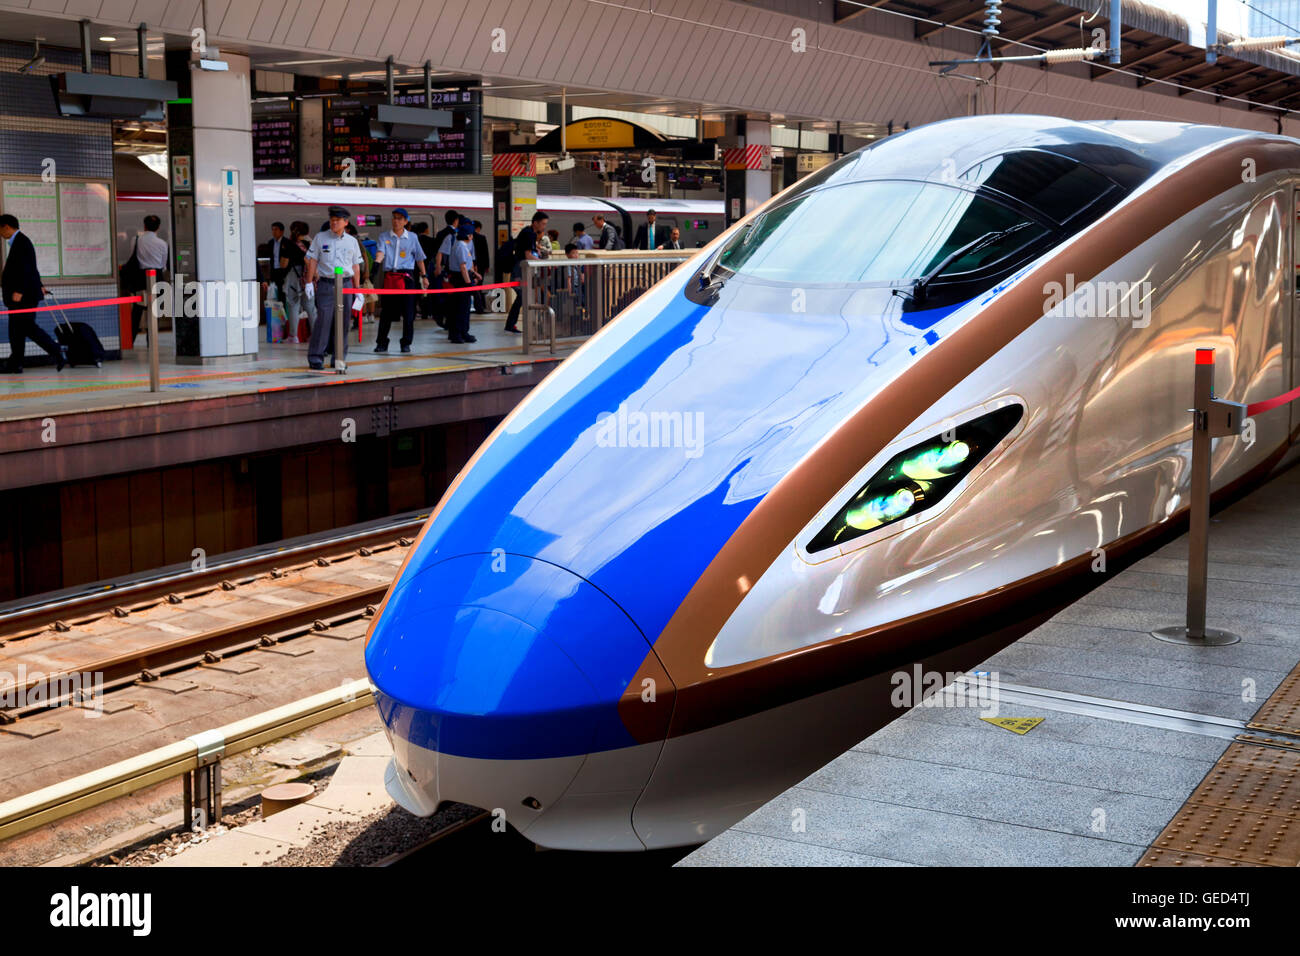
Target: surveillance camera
(566,162)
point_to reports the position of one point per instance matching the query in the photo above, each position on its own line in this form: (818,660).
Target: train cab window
(1059,188)
(890,232)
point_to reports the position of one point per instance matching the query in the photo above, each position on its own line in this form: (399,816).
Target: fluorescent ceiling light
(157,162)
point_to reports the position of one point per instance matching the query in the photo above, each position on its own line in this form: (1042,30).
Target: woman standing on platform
(293,258)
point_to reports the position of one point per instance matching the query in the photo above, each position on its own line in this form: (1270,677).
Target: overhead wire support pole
(1212,33)
(1116,28)
(993,19)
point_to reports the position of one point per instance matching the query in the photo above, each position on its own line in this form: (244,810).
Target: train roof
(1127,151)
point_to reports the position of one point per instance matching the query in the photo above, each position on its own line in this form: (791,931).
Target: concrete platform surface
(1094,783)
(355,791)
(42,391)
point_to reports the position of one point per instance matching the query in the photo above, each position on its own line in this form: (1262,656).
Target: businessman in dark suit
(22,288)
(648,235)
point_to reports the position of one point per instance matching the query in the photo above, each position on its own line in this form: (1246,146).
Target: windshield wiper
(917,295)
(709,285)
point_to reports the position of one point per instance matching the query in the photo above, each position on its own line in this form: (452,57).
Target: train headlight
(918,478)
(881,510)
(937,462)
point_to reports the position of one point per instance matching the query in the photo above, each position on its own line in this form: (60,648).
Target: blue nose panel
(501,656)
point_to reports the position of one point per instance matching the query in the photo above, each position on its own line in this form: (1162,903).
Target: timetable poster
(36,205)
(86,230)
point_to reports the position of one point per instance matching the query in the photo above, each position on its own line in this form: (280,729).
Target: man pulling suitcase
(23,289)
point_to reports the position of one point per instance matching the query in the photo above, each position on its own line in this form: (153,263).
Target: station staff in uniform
(332,248)
(461,265)
(23,289)
(401,257)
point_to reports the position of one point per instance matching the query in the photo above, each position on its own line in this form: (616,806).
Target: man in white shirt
(331,249)
(151,253)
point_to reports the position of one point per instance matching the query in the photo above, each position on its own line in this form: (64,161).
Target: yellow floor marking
(1017,725)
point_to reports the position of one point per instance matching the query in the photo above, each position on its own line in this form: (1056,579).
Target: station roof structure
(1157,44)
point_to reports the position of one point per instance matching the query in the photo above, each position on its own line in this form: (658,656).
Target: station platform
(41,391)
(1131,751)
(86,422)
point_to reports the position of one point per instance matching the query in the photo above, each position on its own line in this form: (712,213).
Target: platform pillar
(210,143)
(746,165)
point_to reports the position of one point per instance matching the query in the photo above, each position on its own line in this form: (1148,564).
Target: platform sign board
(811,162)
(230,225)
(69,222)
(347,136)
(275,139)
(85,229)
(36,204)
(523,202)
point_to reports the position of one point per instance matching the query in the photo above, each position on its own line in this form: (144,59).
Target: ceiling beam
(1157,50)
(1189,64)
(842,12)
(950,17)
(1040,25)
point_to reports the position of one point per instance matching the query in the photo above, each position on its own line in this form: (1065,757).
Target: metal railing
(568,298)
(194,757)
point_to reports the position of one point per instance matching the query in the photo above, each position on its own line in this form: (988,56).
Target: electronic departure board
(275,140)
(347,136)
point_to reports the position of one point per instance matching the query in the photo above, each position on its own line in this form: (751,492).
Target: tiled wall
(30,131)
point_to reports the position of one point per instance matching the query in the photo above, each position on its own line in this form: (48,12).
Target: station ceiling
(56,32)
(1154,43)
(1155,47)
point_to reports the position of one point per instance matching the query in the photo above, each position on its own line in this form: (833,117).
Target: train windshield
(890,232)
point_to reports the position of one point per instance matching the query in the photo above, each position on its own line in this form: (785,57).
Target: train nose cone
(496,675)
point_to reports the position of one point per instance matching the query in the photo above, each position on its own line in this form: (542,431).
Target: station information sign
(347,136)
(275,139)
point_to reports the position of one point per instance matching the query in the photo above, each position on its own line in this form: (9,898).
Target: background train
(284,201)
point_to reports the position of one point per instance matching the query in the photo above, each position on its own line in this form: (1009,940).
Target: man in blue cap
(461,266)
(401,257)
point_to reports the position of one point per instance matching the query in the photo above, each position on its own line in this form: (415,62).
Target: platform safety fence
(573,298)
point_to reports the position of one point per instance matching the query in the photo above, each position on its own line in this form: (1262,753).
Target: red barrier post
(150,297)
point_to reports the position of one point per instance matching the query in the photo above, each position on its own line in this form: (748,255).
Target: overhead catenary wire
(1101,66)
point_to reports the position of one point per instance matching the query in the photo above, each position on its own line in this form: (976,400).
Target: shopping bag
(276,322)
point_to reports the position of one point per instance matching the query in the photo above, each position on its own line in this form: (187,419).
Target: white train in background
(286,200)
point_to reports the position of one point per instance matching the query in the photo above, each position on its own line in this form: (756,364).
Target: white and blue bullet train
(843,440)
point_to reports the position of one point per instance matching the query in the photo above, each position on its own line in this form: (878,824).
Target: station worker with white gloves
(331,249)
(402,258)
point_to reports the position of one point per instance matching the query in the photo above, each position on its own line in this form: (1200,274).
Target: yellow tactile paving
(1247,809)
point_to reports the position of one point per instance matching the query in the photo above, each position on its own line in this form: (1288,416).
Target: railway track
(143,630)
(66,610)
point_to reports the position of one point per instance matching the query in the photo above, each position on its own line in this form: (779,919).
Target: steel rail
(50,804)
(154,589)
(148,662)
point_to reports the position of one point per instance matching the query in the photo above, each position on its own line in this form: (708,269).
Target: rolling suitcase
(78,338)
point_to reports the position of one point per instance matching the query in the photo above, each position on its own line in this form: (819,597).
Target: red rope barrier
(1270,403)
(76,305)
(464,288)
